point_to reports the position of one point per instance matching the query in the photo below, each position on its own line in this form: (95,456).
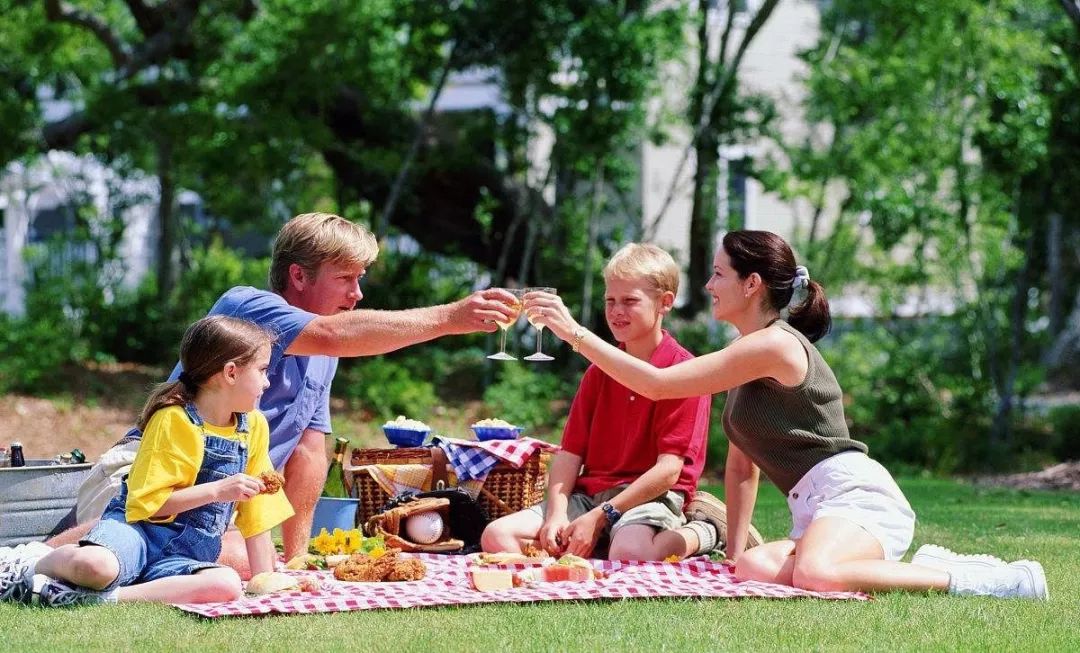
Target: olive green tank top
(787,430)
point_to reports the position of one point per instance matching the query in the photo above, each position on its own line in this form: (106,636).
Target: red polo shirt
(619,434)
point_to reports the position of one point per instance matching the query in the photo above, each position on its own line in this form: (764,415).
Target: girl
(784,414)
(203,446)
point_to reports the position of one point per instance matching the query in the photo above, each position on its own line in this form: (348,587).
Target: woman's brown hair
(206,347)
(771,258)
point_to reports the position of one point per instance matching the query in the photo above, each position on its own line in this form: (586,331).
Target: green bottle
(335,476)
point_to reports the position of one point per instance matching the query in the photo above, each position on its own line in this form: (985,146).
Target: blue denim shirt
(299,394)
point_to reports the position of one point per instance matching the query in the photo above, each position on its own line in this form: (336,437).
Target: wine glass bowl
(539,355)
(515,307)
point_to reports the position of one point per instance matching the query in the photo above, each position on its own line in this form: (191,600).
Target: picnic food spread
(272,482)
(507,558)
(486,576)
(386,565)
(269,582)
(403,422)
(494,423)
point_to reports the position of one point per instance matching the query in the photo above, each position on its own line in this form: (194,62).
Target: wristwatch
(610,513)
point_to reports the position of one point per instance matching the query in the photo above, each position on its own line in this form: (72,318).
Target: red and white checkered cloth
(447,583)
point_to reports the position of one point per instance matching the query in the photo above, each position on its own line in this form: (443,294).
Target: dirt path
(1063,476)
(91,410)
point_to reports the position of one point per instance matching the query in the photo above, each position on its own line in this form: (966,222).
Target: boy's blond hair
(311,239)
(644,261)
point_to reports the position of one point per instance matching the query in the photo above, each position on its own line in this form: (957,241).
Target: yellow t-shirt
(169,458)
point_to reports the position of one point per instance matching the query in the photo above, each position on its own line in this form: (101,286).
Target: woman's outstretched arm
(751,357)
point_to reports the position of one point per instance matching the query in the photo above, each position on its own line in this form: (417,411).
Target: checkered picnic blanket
(472,459)
(447,583)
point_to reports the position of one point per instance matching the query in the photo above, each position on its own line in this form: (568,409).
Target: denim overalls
(192,541)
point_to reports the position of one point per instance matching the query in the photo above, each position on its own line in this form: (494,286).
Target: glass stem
(539,339)
(502,347)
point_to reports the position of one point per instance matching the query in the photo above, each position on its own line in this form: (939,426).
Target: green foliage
(384,388)
(35,350)
(528,398)
(912,395)
(139,327)
(1064,435)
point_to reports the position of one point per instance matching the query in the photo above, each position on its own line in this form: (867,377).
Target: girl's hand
(238,487)
(548,310)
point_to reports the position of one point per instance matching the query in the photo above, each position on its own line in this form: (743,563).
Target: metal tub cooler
(35,498)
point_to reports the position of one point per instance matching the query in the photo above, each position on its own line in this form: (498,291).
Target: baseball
(424,528)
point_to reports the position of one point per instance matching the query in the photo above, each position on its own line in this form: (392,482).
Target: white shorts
(857,488)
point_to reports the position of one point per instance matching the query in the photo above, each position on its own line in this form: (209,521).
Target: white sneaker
(28,553)
(1023,579)
(942,559)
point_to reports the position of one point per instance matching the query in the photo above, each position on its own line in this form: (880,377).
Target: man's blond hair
(311,239)
(644,261)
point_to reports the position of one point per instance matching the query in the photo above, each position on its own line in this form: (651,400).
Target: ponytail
(170,393)
(768,255)
(811,316)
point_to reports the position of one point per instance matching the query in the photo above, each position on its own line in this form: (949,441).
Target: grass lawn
(1038,525)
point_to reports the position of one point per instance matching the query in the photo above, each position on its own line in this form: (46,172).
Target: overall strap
(193,414)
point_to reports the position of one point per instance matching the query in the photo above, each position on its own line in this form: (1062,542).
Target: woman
(784,414)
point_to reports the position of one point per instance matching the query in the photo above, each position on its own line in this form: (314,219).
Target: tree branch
(180,14)
(719,90)
(62,12)
(148,20)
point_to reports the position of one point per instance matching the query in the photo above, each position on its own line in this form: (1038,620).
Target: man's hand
(480,310)
(238,487)
(551,534)
(582,533)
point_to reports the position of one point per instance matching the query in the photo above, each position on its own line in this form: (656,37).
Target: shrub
(537,400)
(384,388)
(139,327)
(1065,432)
(34,351)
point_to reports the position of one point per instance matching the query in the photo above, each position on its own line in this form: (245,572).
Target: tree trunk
(1001,428)
(590,251)
(702,223)
(1056,273)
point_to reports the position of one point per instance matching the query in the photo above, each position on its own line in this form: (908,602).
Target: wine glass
(539,355)
(505,326)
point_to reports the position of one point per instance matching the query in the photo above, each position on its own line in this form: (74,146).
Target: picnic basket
(507,489)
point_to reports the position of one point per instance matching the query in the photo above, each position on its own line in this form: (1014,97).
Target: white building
(37,207)
(770,67)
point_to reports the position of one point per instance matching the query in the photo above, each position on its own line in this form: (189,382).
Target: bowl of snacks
(495,429)
(404,432)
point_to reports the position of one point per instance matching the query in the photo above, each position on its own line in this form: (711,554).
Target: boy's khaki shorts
(663,513)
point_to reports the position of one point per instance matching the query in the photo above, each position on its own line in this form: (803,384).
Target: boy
(639,460)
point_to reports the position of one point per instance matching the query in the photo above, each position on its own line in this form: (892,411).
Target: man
(315,271)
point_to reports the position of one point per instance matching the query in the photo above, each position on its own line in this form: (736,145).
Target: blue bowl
(496,432)
(405,437)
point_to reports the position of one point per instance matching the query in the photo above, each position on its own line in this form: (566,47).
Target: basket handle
(439,462)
